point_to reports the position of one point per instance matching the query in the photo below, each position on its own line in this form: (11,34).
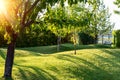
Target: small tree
(64,20)
(55,17)
(77,18)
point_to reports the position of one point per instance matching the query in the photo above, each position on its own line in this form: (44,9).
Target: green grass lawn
(93,62)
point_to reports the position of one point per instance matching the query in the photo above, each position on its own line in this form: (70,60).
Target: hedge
(116,38)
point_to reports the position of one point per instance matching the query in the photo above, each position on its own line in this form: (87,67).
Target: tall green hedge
(116,38)
(34,38)
(85,38)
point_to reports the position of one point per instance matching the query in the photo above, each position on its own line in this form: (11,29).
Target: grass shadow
(79,69)
(41,50)
(2,54)
(115,52)
(2,78)
(34,73)
(86,70)
(64,47)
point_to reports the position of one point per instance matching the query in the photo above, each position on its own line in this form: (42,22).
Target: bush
(34,37)
(86,38)
(2,41)
(116,39)
(42,38)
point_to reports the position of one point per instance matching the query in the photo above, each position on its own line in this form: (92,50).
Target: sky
(115,18)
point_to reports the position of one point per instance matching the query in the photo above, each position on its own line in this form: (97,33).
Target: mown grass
(92,62)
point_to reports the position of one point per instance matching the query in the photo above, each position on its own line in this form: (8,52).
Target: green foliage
(117,2)
(65,19)
(86,38)
(99,18)
(43,38)
(24,12)
(116,39)
(2,41)
(75,38)
(55,19)
(59,20)
(7,37)
(36,37)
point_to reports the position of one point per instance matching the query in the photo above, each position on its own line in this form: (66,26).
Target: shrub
(34,37)
(116,39)
(86,38)
(2,41)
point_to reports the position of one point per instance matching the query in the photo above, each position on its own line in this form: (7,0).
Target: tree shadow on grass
(2,54)
(41,50)
(80,69)
(87,70)
(64,47)
(113,61)
(113,52)
(34,73)
(2,78)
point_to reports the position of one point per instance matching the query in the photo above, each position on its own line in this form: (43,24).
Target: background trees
(99,19)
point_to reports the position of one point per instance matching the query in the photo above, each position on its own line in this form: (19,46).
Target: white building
(105,38)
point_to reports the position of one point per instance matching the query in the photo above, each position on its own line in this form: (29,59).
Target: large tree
(15,22)
(17,15)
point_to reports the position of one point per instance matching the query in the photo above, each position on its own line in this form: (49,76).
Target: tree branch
(29,23)
(32,7)
(24,13)
(18,7)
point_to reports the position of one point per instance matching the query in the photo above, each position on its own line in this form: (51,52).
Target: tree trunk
(75,49)
(58,43)
(10,58)
(96,39)
(114,40)
(102,39)
(75,43)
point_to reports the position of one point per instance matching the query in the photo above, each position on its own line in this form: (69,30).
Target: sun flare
(2,5)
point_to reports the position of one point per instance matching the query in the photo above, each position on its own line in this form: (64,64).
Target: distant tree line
(45,37)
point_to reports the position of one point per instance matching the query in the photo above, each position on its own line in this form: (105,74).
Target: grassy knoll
(93,62)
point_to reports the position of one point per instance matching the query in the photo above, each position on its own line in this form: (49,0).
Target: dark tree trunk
(10,58)
(96,39)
